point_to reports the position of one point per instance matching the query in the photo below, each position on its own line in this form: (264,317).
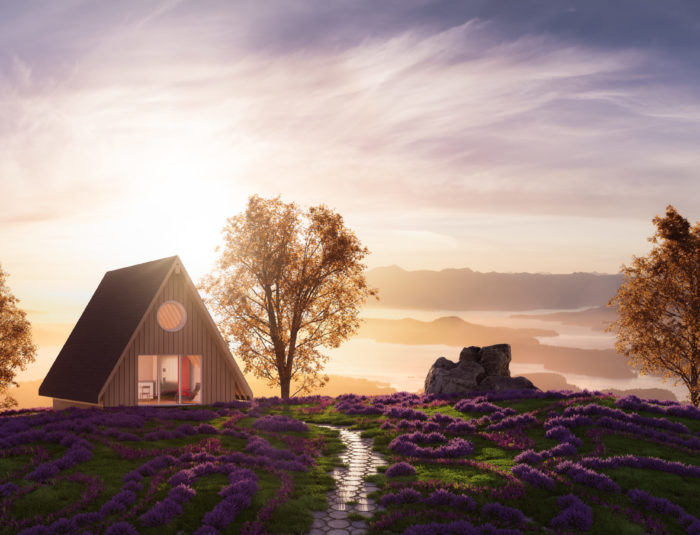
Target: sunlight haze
(492,136)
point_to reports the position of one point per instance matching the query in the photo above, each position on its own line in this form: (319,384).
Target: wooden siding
(195,338)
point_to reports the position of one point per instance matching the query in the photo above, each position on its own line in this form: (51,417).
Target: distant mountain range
(464,289)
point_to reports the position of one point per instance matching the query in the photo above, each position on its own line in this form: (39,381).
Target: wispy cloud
(435,110)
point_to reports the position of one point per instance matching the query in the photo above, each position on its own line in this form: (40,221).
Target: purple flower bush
(584,476)
(458,527)
(563,434)
(648,502)
(161,513)
(236,497)
(408,445)
(8,489)
(667,408)
(650,463)
(400,469)
(503,513)
(279,422)
(438,498)
(574,514)
(461,427)
(352,404)
(406,495)
(443,419)
(520,420)
(445,498)
(404,413)
(529,457)
(533,476)
(479,404)
(121,528)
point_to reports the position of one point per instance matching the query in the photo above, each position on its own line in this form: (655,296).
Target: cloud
(430,110)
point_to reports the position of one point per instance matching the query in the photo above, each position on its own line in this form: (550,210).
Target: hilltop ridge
(466,289)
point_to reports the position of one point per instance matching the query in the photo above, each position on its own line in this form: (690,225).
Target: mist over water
(404,366)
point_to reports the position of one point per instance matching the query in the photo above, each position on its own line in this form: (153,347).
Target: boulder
(499,382)
(496,359)
(479,368)
(444,363)
(470,353)
(462,377)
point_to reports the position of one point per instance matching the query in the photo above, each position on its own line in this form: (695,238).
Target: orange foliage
(16,347)
(658,324)
(287,283)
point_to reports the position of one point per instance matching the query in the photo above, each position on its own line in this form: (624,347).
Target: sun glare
(181,195)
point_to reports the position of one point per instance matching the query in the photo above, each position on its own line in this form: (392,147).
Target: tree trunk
(284,388)
(695,397)
(285,380)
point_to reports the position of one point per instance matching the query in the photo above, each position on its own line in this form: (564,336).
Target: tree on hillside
(287,283)
(658,323)
(16,347)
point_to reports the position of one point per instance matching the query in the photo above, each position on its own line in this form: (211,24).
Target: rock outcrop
(479,368)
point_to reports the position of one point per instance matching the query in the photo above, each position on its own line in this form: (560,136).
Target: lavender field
(500,463)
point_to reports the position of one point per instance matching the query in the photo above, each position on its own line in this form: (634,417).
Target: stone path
(350,494)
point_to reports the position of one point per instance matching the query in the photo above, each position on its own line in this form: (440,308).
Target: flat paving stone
(338,514)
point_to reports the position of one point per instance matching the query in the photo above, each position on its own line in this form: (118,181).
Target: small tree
(16,348)
(658,324)
(286,283)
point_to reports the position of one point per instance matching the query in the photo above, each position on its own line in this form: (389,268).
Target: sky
(497,135)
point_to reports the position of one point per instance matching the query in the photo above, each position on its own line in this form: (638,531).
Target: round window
(172,316)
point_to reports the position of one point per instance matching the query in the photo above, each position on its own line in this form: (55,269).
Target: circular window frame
(183,314)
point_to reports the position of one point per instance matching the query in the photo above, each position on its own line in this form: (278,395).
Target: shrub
(400,469)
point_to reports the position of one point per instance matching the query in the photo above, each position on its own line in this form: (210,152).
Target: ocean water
(404,366)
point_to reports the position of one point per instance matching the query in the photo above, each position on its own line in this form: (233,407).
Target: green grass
(11,465)
(620,445)
(47,499)
(310,488)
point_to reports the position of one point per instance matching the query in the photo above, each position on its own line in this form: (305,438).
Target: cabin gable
(196,337)
(145,337)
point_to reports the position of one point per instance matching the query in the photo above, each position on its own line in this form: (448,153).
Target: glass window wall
(169,379)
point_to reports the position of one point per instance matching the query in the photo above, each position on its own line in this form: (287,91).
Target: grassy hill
(502,463)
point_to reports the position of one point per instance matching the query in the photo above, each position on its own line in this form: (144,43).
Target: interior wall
(147,367)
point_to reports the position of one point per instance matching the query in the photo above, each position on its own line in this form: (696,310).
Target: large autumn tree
(288,283)
(16,347)
(658,324)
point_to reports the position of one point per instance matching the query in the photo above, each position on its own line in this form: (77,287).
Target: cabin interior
(169,380)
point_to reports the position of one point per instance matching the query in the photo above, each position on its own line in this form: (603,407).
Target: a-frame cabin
(145,338)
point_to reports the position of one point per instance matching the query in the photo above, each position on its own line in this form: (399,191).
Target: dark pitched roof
(104,330)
